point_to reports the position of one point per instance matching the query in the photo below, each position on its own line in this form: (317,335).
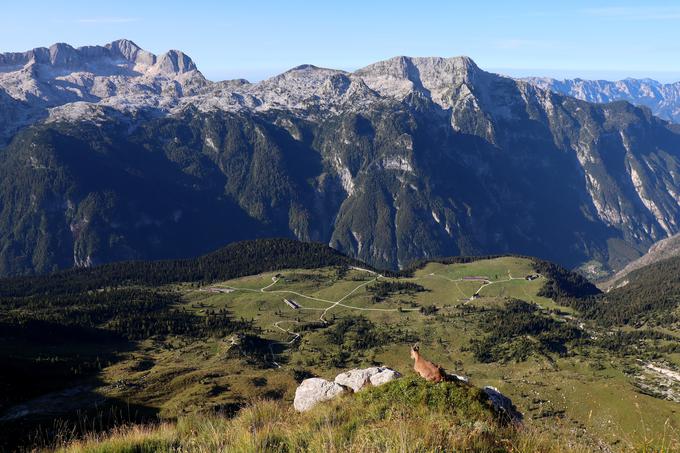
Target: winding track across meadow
(338,303)
(485,282)
(332,304)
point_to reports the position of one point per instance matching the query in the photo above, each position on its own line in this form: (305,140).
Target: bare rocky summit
(404,159)
(52,82)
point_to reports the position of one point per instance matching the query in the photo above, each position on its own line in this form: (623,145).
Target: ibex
(425,368)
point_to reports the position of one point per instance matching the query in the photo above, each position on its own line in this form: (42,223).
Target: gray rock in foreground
(313,391)
(503,405)
(316,390)
(358,379)
(385,376)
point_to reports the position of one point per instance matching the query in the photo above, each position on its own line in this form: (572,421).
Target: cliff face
(407,158)
(663,99)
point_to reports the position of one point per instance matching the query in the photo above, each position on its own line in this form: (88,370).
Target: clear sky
(258,38)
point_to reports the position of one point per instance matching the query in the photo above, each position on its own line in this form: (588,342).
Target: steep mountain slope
(661,251)
(647,297)
(663,99)
(407,158)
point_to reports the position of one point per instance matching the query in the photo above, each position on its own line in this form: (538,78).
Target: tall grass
(399,417)
(129,439)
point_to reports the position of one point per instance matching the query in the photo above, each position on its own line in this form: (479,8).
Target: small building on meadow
(292,304)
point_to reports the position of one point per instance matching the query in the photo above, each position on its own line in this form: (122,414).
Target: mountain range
(112,153)
(663,99)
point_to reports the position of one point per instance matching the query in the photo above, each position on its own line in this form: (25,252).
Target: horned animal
(426,369)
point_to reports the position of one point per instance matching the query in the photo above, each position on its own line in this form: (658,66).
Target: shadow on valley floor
(48,380)
(58,417)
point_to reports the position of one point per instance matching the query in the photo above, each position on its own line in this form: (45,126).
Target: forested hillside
(405,159)
(234,260)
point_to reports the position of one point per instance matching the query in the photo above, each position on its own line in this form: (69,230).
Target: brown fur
(428,370)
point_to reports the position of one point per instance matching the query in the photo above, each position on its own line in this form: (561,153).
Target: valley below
(112,153)
(221,345)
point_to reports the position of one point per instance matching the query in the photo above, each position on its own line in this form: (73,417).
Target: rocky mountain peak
(62,54)
(308,71)
(175,62)
(299,86)
(54,82)
(304,68)
(434,76)
(124,47)
(411,67)
(93,58)
(129,51)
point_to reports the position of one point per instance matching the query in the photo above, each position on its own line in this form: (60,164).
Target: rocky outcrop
(313,391)
(460,378)
(384,376)
(358,379)
(503,405)
(316,390)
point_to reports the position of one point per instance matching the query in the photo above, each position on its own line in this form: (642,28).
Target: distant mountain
(663,99)
(34,84)
(662,250)
(407,158)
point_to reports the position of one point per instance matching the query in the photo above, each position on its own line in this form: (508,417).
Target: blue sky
(255,39)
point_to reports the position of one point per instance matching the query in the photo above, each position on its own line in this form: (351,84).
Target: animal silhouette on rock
(426,369)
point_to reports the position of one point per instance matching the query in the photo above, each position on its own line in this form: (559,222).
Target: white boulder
(315,390)
(461,378)
(385,376)
(503,405)
(358,379)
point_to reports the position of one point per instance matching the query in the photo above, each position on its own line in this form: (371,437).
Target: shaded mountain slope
(405,159)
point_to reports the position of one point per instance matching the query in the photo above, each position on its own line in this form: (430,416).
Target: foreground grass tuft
(130,439)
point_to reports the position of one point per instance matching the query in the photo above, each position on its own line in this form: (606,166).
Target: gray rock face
(175,61)
(405,159)
(461,378)
(385,376)
(434,77)
(358,379)
(503,405)
(663,99)
(313,391)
